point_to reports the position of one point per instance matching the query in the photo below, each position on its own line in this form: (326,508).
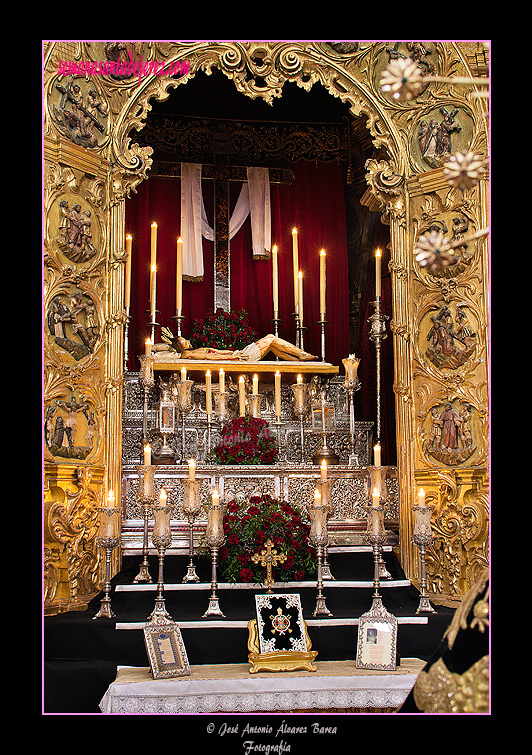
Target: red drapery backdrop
(314,203)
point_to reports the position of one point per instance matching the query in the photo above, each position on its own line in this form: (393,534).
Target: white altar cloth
(230,688)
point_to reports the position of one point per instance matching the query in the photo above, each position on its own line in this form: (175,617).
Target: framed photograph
(377,642)
(166,650)
(280,624)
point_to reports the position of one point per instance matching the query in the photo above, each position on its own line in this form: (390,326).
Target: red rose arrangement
(222,330)
(249,524)
(246,440)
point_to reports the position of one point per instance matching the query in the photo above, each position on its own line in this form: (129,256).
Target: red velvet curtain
(314,203)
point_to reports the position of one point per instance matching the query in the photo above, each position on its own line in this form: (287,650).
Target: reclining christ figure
(254,352)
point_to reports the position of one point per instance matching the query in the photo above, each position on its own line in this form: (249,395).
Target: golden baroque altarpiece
(91,166)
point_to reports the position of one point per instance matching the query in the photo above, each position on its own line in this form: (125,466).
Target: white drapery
(254,200)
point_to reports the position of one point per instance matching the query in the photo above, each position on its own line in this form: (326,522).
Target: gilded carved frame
(411,195)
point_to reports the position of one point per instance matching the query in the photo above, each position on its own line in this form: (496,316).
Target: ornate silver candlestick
(376,486)
(126,338)
(376,536)
(377,334)
(300,391)
(179,317)
(183,401)
(146,497)
(108,538)
(318,537)
(166,422)
(152,324)
(325,488)
(147,381)
(323,422)
(322,324)
(191,509)
(161,538)
(352,384)
(422,537)
(215,537)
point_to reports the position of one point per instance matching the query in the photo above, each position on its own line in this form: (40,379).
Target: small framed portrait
(280,623)
(377,642)
(166,650)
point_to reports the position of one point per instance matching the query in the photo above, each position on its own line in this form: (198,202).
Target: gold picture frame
(166,650)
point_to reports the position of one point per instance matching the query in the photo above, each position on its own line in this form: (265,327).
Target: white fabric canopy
(254,200)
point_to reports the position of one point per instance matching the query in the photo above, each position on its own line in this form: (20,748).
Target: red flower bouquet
(246,440)
(249,524)
(222,330)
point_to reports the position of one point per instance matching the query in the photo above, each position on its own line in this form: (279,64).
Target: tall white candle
(275,281)
(300,296)
(241,396)
(127,293)
(183,373)
(323,470)
(377,455)
(153,247)
(153,291)
(378,257)
(375,497)
(221,385)
(191,469)
(278,394)
(323,258)
(208,392)
(421,497)
(295,262)
(147,455)
(179,276)
(255,384)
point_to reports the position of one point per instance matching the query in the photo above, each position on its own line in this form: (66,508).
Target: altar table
(335,686)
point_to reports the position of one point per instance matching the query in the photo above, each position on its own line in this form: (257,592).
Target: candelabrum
(318,538)
(300,391)
(352,384)
(323,422)
(191,509)
(376,536)
(147,381)
(183,401)
(108,538)
(325,488)
(377,334)
(215,538)
(422,537)
(161,538)
(377,487)
(146,497)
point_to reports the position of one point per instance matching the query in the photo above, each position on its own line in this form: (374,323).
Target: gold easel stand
(279,660)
